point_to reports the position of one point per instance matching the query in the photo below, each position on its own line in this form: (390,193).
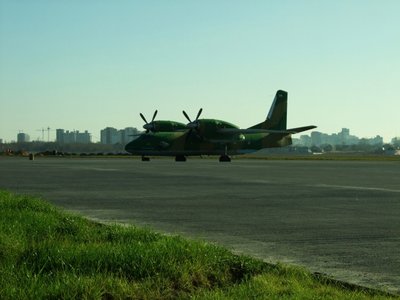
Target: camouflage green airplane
(214,137)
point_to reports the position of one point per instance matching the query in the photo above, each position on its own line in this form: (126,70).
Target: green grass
(46,253)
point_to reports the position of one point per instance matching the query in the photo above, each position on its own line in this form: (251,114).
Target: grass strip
(47,253)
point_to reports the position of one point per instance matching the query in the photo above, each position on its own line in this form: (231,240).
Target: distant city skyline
(82,64)
(317,138)
(43,134)
(114,135)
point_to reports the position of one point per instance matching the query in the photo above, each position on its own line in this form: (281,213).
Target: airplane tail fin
(277,115)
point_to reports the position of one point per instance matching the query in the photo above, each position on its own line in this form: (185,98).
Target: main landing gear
(180,158)
(224,158)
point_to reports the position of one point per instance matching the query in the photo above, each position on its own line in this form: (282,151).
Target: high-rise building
(22,137)
(82,137)
(128,134)
(343,136)
(109,136)
(112,136)
(305,140)
(73,137)
(60,136)
(316,138)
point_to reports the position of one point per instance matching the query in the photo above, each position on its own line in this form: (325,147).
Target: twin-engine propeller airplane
(214,137)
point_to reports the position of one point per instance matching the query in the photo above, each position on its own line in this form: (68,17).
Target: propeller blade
(198,114)
(143,118)
(187,117)
(154,116)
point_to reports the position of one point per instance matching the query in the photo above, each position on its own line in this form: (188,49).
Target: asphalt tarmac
(341,218)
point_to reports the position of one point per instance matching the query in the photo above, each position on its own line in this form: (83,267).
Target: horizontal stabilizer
(301,129)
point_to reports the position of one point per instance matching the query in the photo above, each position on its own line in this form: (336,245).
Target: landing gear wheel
(180,158)
(224,158)
(145,158)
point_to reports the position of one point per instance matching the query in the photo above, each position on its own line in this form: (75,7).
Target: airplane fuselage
(206,141)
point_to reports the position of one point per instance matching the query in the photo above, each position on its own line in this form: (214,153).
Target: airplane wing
(249,131)
(235,130)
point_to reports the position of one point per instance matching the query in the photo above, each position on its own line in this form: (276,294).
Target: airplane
(214,137)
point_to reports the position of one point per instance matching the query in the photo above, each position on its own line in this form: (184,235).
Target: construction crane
(42,130)
(48,129)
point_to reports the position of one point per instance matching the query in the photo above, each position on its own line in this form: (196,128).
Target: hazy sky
(86,65)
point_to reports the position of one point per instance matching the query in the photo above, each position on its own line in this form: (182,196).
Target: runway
(341,218)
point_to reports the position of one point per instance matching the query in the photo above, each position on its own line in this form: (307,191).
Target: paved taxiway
(336,217)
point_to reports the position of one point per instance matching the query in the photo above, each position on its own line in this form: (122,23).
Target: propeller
(193,125)
(149,126)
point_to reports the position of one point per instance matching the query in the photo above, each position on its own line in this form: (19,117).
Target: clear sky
(86,65)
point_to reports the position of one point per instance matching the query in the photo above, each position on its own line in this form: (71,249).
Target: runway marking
(93,169)
(102,169)
(258,181)
(361,188)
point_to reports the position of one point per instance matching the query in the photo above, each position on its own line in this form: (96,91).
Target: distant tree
(327,148)
(315,149)
(363,141)
(52,147)
(343,147)
(388,147)
(396,142)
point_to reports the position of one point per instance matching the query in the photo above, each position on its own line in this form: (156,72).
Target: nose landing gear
(180,158)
